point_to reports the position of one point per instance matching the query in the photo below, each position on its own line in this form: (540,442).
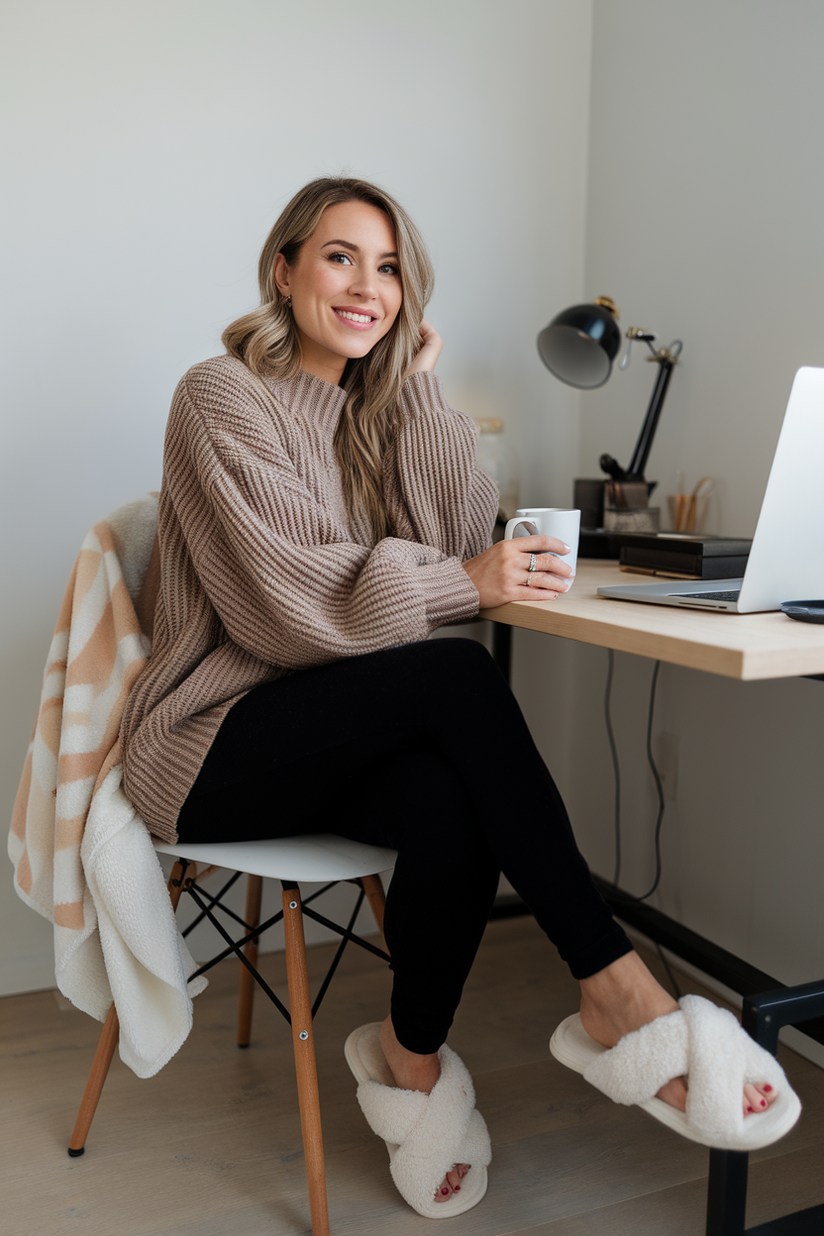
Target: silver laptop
(786,561)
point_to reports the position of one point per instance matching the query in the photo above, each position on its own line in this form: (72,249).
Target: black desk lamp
(579,346)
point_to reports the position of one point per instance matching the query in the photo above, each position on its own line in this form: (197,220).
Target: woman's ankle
(621,998)
(410,1070)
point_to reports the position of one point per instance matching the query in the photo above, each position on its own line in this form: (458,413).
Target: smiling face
(345,287)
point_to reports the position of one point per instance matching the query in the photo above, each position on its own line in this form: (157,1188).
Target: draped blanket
(82,856)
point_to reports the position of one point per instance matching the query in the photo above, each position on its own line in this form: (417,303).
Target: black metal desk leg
(763,1017)
(727,1193)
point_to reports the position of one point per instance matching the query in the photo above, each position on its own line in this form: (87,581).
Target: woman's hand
(502,573)
(431,344)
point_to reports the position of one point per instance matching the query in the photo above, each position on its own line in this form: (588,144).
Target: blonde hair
(267,338)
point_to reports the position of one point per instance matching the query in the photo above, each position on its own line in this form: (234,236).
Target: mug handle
(512,524)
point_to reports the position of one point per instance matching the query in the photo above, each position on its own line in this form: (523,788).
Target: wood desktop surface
(746,646)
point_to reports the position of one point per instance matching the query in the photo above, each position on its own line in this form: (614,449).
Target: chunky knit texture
(262,572)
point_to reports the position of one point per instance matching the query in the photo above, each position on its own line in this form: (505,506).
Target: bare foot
(414,1072)
(624,997)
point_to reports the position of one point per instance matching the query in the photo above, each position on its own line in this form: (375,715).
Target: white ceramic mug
(548,521)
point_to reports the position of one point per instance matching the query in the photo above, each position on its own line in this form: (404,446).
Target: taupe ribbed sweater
(261,571)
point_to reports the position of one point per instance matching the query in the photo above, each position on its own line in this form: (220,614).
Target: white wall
(149,145)
(704,221)
(705,207)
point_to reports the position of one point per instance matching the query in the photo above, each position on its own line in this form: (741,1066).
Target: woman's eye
(388,269)
(340,257)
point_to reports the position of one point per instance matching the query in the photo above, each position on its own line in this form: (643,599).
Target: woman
(321,513)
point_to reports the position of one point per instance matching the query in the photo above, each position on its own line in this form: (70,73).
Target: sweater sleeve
(434,484)
(284,576)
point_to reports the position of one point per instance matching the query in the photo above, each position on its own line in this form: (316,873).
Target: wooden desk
(746,646)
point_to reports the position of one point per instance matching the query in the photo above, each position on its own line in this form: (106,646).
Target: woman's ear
(282,275)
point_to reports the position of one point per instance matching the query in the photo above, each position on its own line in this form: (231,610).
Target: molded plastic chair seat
(317,858)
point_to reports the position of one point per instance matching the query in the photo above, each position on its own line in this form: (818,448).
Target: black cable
(616,768)
(617,824)
(659,787)
(657,778)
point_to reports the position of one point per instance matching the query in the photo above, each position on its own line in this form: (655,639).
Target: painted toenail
(763,1102)
(749,1109)
(768,1089)
(445,1192)
(456,1189)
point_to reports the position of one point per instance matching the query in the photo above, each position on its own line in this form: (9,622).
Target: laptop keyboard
(712,596)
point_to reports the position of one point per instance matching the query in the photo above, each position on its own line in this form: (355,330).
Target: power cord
(658,786)
(616,767)
(617,802)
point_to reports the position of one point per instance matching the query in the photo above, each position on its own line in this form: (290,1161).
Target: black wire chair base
(209,903)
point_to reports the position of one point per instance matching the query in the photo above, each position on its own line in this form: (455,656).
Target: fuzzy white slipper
(707,1045)
(425,1134)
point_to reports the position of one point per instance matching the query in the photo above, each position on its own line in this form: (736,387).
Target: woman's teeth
(354,317)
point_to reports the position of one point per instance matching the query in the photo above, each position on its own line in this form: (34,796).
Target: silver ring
(533,560)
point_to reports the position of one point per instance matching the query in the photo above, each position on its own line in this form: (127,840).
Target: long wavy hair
(267,338)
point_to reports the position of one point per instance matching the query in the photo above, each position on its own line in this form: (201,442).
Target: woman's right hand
(502,573)
(427,355)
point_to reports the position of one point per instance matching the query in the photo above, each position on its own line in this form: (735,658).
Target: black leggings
(422,748)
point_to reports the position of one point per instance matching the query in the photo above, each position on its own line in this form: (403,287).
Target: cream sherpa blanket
(82,856)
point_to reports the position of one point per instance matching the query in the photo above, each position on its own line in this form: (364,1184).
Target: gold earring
(288,302)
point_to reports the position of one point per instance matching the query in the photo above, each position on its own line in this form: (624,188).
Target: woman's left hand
(504,572)
(431,344)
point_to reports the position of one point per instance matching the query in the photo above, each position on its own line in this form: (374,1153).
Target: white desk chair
(323,858)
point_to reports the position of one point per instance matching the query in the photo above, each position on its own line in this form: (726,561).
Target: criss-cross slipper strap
(701,1042)
(723,1058)
(642,1062)
(433,1131)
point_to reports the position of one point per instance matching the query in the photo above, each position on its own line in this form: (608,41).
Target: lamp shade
(580,344)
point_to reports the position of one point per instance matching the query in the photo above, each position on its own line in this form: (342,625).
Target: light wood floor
(212,1144)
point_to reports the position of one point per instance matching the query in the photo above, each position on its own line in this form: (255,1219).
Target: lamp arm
(666,363)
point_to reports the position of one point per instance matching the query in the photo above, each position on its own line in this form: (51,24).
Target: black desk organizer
(768,1006)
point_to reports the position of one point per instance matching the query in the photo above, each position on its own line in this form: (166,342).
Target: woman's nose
(362,283)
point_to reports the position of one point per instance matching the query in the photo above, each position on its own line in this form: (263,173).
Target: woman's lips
(355,320)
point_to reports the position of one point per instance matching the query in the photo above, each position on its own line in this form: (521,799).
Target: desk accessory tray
(804,611)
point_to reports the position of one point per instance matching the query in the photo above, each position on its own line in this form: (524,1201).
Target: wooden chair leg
(373,887)
(254,890)
(106,1044)
(303,1041)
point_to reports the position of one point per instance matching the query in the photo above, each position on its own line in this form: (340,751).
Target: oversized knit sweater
(262,572)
